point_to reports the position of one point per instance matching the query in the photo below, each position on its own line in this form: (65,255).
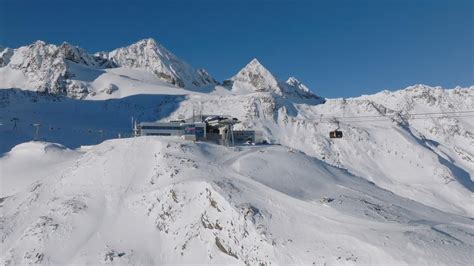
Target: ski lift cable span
(335,134)
(346,119)
(428,114)
(386,118)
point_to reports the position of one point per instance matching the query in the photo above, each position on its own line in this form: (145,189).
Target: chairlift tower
(135,129)
(229,123)
(37,126)
(14,120)
(101,132)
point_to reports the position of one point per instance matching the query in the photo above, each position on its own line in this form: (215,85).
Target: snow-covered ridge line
(59,69)
(149,54)
(70,70)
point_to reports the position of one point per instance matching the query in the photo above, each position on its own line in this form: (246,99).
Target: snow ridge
(149,54)
(54,69)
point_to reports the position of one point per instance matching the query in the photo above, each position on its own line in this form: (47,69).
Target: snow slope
(25,165)
(180,202)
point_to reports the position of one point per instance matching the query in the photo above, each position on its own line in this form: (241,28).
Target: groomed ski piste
(152,200)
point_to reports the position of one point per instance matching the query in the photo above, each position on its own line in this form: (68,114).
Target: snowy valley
(396,189)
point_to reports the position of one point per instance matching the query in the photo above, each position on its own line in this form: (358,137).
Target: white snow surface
(402,182)
(155,200)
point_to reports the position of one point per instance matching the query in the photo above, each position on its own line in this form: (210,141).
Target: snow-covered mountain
(150,55)
(417,143)
(153,201)
(68,69)
(254,77)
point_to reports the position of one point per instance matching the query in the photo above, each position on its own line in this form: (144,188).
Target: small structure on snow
(213,128)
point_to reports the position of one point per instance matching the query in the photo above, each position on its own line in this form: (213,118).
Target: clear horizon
(337,49)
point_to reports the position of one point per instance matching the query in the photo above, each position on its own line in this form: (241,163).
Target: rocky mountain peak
(46,67)
(255,77)
(77,55)
(294,88)
(38,43)
(149,54)
(255,62)
(293,81)
(255,67)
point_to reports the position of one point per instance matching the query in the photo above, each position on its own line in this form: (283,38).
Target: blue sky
(337,48)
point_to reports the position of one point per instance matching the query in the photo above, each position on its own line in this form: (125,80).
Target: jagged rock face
(42,64)
(80,56)
(150,55)
(47,67)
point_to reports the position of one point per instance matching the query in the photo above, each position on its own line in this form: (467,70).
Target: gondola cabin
(336,134)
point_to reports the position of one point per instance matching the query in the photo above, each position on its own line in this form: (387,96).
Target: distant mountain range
(54,69)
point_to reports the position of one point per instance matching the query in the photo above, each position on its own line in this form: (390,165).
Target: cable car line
(399,114)
(337,133)
(385,119)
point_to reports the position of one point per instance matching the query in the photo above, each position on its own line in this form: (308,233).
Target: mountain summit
(293,87)
(68,70)
(71,71)
(47,68)
(149,54)
(255,77)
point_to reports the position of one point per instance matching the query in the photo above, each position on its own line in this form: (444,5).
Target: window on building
(162,127)
(158,134)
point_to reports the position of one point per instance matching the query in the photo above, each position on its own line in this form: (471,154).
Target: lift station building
(213,128)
